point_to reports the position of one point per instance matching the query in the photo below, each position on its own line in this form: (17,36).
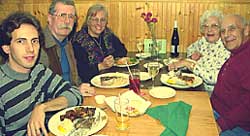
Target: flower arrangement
(151,21)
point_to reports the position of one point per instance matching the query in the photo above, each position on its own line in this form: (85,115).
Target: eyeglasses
(212,26)
(229,29)
(97,20)
(64,16)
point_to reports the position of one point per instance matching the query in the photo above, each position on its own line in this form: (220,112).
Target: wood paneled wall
(125,21)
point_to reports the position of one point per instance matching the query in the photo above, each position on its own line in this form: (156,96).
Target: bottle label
(174,49)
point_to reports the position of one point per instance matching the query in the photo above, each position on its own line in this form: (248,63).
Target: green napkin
(174,116)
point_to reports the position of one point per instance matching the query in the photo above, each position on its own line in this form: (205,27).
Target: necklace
(99,42)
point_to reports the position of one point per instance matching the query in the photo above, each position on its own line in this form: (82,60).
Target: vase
(153,45)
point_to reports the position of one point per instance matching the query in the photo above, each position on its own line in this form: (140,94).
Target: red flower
(148,17)
(154,20)
(143,15)
(149,14)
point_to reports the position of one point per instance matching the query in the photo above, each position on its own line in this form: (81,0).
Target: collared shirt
(231,96)
(208,66)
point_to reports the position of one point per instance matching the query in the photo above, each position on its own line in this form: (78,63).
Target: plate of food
(121,62)
(162,92)
(110,80)
(171,60)
(78,120)
(182,81)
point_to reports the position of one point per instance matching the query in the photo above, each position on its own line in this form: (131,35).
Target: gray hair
(52,6)
(93,10)
(210,13)
(242,19)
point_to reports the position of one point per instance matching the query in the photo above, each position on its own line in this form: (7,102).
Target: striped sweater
(21,92)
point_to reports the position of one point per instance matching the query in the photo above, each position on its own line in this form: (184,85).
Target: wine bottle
(175,41)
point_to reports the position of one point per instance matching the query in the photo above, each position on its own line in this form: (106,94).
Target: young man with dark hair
(28,90)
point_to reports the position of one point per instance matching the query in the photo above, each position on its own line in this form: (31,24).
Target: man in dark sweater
(231,96)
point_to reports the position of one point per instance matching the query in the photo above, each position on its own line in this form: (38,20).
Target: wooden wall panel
(125,20)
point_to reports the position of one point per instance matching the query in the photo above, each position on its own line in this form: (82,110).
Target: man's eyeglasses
(64,16)
(212,26)
(97,20)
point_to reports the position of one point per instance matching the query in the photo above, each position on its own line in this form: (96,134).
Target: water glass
(153,70)
(121,113)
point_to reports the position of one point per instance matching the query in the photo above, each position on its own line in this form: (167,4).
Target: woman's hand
(36,123)
(196,56)
(108,62)
(181,63)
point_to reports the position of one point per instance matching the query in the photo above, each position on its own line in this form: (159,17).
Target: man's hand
(108,62)
(36,123)
(86,89)
(196,56)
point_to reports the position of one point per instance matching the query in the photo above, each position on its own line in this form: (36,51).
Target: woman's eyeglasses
(212,26)
(97,20)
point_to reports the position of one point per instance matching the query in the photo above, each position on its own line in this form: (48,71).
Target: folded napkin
(174,116)
(134,100)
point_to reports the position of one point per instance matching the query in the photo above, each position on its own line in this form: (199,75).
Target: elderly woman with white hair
(208,53)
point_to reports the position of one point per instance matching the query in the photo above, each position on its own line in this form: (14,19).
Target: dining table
(201,119)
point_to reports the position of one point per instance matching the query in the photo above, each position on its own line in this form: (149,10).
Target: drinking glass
(122,113)
(158,48)
(134,81)
(153,70)
(139,44)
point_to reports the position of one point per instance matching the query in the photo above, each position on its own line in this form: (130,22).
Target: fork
(178,72)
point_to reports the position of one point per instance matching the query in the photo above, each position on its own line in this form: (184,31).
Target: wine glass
(139,45)
(158,48)
(153,70)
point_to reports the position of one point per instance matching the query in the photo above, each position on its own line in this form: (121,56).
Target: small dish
(162,92)
(146,65)
(99,99)
(144,76)
(143,55)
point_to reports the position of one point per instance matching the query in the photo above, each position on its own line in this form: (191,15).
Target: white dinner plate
(197,81)
(143,55)
(162,92)
(146,65)
(122,82)
(171,60)
(124,59)
(144,76)
(54,123)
